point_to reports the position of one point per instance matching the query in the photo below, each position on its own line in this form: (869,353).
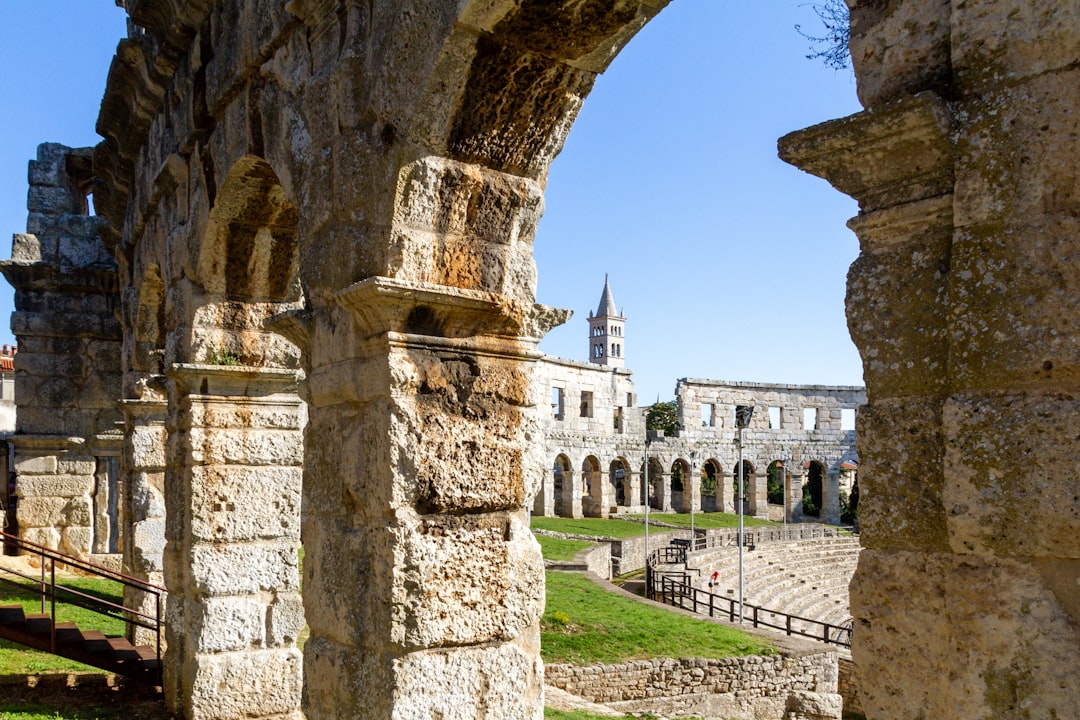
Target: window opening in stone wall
(809,419)
(619,426)
(847,419)
(708,414)
(775,418)
(558,399)
(586,404)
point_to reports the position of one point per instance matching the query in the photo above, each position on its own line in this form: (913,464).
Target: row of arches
(595,488)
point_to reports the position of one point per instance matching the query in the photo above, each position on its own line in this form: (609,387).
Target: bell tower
(606,341)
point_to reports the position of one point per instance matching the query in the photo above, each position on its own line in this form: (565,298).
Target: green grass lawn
(594,527)
(707,521)
(17,659)
(555,548)
(584,624)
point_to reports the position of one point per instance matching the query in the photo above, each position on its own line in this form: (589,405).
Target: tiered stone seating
(807,578)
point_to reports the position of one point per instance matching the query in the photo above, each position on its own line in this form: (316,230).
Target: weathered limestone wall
(964,305)
(67,373)
(752,687)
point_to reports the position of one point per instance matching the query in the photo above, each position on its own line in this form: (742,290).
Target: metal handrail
(50,591)
(673,587)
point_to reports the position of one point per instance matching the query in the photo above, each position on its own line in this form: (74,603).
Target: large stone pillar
(233,499)
(963,303)
(571,503)
(142,468)
(632,489)
(830,496)
(424,585)
(757,494)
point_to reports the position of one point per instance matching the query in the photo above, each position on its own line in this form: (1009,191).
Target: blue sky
(729,264)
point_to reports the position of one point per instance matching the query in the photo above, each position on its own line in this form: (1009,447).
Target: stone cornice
(382,305)
(233,380)
(896,153)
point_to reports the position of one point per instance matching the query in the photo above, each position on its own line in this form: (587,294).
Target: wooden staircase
(41,631)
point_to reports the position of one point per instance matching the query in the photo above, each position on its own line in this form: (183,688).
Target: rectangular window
(775,418)
(586,404)
(619,420)
(809,419)
(629,399)
(557,403)
(708,415)
(847,419)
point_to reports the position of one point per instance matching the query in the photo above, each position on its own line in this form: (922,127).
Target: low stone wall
(754,687)
(628,555)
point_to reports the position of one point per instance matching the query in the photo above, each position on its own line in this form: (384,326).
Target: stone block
(77,541)
(246,414)
(78,512)
(901,474)
(68,486)
(42,512)
(218,446)
(35,464)
(52,200)
(242,569)
(255,683)
(47,536)
(896,308)
(146,545)
(284,620)
(899,49)
(146,443)
(76,465)
(466,580)
(243,503)
(1010,489)
(27,248)
(146,497)
(1011,38)
(75,253)
(223,624)
(815,706)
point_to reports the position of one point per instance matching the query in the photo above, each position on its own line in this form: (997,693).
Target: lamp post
(693,470)
(647,504)
(743,413)
(783,485)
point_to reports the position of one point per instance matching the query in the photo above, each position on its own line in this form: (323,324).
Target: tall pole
(783,482)
(693,468)
(740,535)
(647,502)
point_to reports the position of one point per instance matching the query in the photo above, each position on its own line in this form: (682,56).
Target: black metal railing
(51,592)
(674,588)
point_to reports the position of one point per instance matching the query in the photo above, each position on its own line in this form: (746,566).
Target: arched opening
(680,485)
(711,489)
(775,481)
(652,491)
(747,481)
(591,488)
(248,272)
(813,489)
(618,476)
(561,472)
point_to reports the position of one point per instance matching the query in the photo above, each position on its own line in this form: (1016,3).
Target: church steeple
(606,331)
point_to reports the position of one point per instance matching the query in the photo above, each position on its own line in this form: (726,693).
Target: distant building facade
(596,441)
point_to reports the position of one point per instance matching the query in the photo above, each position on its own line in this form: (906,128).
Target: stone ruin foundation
(335,201)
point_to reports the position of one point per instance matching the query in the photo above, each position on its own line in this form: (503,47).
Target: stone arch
(680,485)
(592,487)
(712,486)
(652,492)
(748,480)
(776,475)
(619,478)
(247,271)
(562,476)
(814,489)
(148,322)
